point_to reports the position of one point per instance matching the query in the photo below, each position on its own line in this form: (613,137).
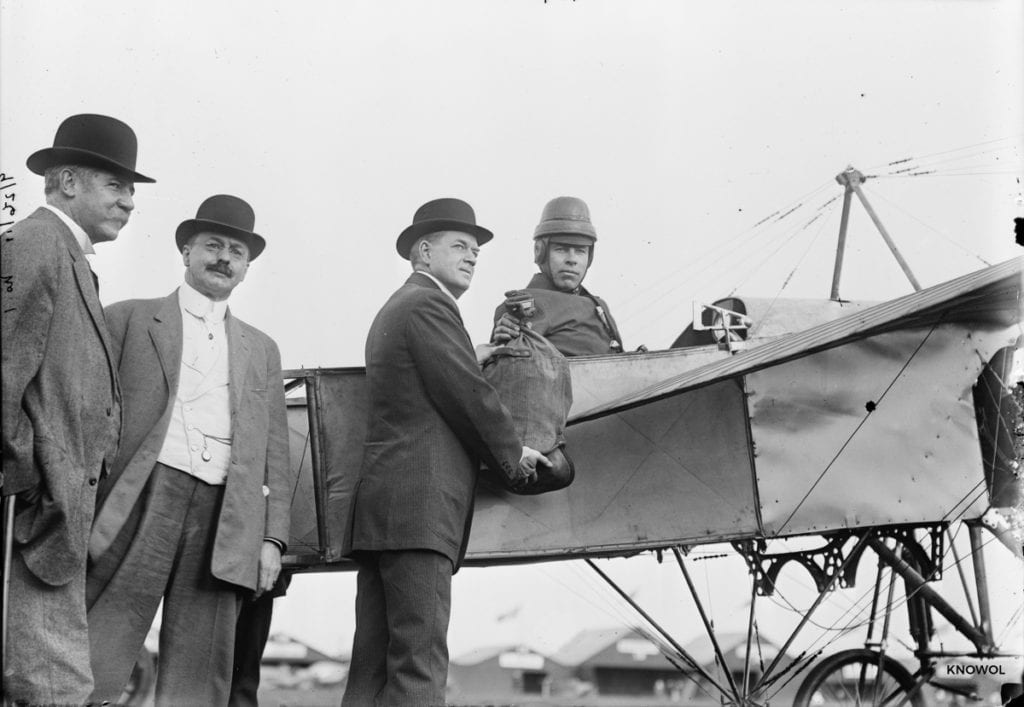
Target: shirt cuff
(277,542)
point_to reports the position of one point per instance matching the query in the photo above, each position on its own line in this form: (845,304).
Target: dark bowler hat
(441,215)
(227,215)
(93,141)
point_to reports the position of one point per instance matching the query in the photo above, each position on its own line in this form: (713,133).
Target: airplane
(869,425)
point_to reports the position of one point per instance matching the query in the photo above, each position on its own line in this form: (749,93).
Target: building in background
(498,671)
(288,662)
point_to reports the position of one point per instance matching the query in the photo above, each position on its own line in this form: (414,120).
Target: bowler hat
(568,218)
(441,215)
(227,215)
(92,140)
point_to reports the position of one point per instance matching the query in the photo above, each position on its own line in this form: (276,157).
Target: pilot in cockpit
(554,303)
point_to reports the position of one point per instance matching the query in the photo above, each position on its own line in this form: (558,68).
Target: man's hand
(270,566)
(528,467)
(506,329)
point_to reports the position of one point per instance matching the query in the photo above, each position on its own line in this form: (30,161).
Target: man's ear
(67,182)
(184,254)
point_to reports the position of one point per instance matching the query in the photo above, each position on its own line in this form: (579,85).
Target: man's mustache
(222,268)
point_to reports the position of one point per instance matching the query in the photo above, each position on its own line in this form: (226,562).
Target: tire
(848,678)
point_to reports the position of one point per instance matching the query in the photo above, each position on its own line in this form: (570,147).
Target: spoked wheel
(859,677)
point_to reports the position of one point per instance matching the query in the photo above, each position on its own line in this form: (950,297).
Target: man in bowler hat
(576,322)
(196,510)
(432,419)
(61,401)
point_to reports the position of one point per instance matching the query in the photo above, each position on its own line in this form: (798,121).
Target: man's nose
(126,202)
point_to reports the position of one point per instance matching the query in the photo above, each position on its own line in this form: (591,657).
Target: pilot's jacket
(576,324)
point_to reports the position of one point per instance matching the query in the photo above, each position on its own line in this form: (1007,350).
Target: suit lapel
(239,356)
(86,286)
(165,331)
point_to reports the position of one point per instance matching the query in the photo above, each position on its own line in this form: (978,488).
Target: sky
(705,137)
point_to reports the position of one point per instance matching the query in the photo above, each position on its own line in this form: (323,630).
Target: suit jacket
(147,342)
(432,418)
(61,404)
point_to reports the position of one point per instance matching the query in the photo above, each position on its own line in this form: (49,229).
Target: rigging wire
(857,429)
(766,239)
(875,194)
(760,263)
(667,650)
(962,174)
(727,245)
(706,265)
(973,146)
(821,228)
(923,164)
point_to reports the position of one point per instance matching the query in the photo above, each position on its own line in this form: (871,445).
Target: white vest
(198,439)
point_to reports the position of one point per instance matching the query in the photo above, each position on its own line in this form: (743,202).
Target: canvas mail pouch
(533,381)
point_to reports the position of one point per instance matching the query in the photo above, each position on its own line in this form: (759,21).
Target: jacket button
(109,412)
(92,482)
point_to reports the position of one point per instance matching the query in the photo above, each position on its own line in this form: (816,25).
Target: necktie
(95,281)
(207,346)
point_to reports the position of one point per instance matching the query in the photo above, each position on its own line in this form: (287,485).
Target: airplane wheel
(852,678)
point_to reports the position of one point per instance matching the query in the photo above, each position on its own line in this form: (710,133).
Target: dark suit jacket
(61,405)
(432,419)
(146,337)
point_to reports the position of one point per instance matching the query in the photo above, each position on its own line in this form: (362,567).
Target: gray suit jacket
(61,404)
(432,419)
(147,342)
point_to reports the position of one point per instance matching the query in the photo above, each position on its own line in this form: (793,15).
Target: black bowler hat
(227,215)
(441,215)
(94,141)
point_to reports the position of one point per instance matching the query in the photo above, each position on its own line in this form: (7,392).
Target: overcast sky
(705,136)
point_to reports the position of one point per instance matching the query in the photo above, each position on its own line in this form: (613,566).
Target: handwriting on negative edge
(7,195)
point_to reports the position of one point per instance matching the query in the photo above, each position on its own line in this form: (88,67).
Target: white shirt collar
(77,231)
(439,284)
(200,305)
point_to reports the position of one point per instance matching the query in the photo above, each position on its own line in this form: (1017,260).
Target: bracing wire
(706,265)
(697,264)
(799,262)
(875,194)
(1009,140)
(856,430)
(760,261)
(616,611)
(769,238)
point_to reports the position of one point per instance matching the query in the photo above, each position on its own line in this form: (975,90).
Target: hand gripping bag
(532,379)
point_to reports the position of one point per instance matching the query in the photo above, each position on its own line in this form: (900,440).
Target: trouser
(251,633)
(400,647)
(163,553)
(47,659)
